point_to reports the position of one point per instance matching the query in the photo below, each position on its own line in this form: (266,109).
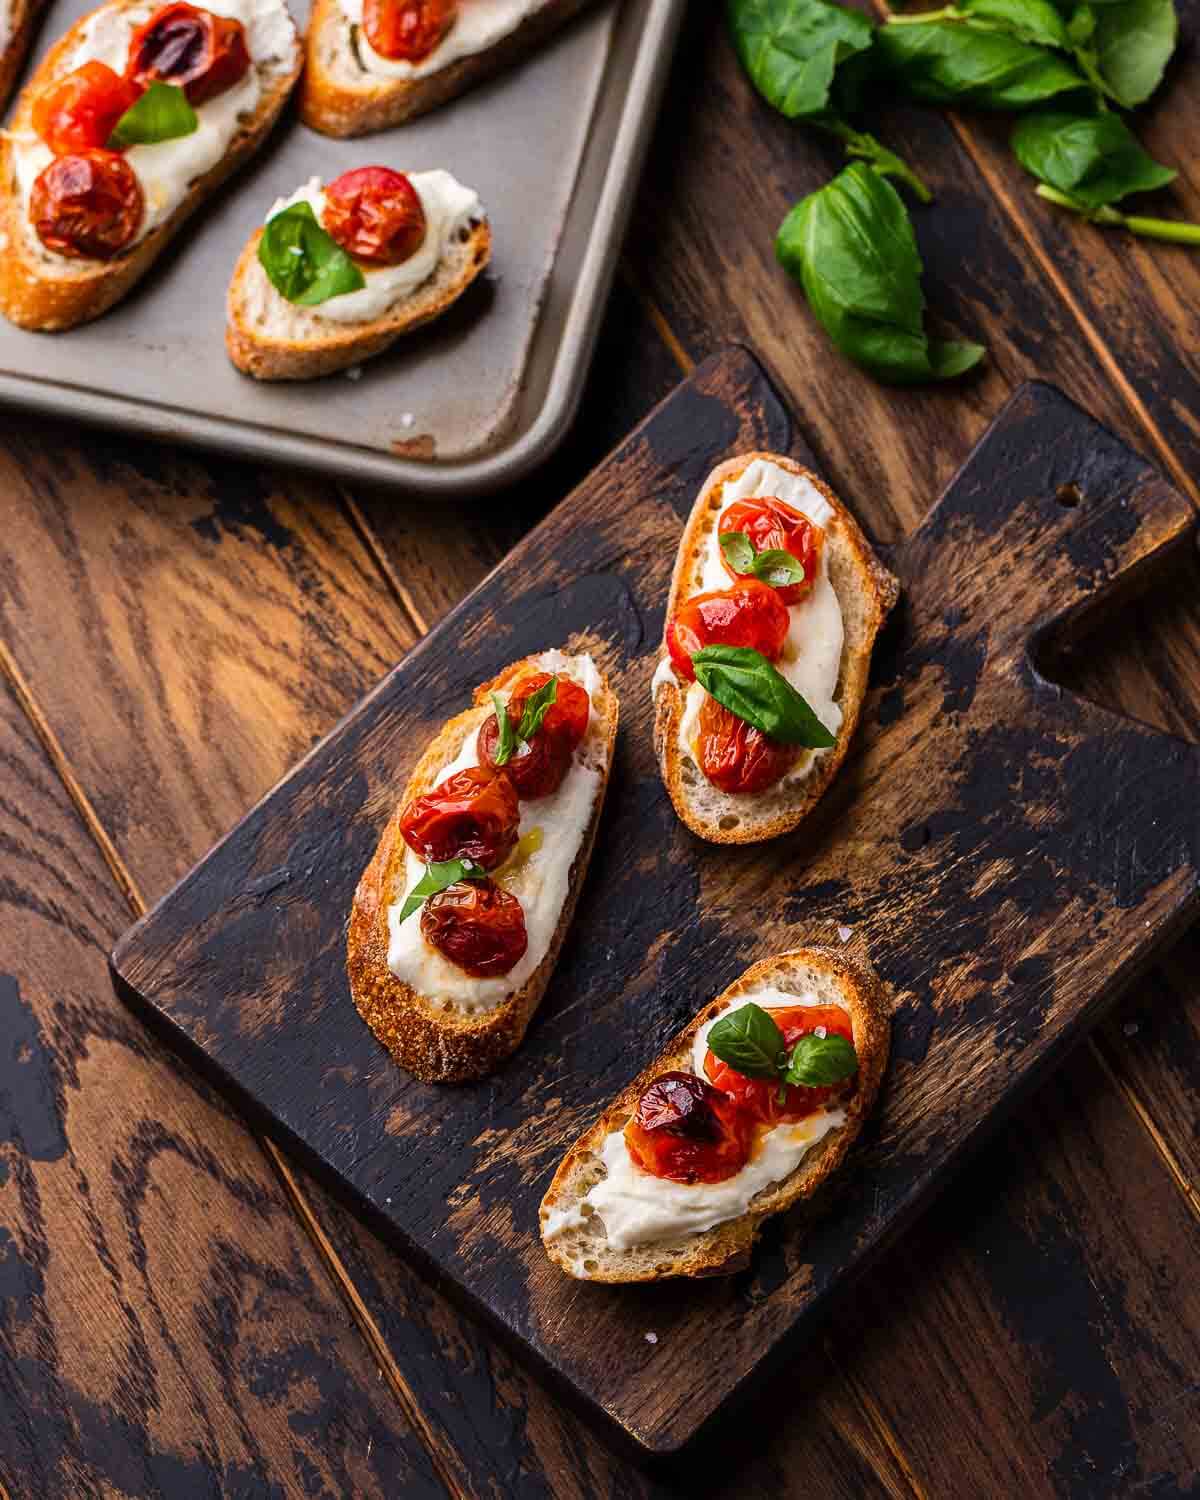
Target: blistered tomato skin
(88,205)
(80,111)
(478,926)
(758,1098)
(737,757)
(473,814)
(375,215)
(566,718)
(773,525)
(748,614)
(688,1131)
(538,772)
(407,30)
(201,53)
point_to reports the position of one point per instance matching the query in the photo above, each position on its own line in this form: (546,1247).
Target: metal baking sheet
(553,146)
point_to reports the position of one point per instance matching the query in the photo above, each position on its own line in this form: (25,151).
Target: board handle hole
(1068,496)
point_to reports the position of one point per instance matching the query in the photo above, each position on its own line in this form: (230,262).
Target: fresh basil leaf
(436,878)
(749,1041)
(738,550)
(817,1061)
(506,744)
(537,706)
(1082,25)
(954,62)
(777,567)
(1031,20)
(851,247)
(1132,45)
(791,49)
(304,263)
(749,686)
(1094,159)
(161,114)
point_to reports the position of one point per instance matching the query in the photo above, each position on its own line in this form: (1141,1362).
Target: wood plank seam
(378,555)
(674,344)
(880,1425)
(401,1390)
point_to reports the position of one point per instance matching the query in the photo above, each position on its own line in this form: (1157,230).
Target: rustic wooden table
(184,1313)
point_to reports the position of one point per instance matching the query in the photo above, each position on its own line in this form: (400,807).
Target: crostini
(132,121)
(458,919)
(750,1109)
(375,63)
(18,19)
(775,604)
(339,272)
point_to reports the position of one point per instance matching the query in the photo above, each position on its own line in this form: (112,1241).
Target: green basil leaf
(506,744)
(777,567)
(738,550)
(304,263)
(1082,25)
(161,114)
(537,706)
(851,247)
(1095,159)
(749,686)
(953,62)
(436,878)
(749,1041)
(818,1061)
(791,49)
(1132,44)
(1030,20)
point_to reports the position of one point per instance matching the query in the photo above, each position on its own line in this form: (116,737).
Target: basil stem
(1175,231)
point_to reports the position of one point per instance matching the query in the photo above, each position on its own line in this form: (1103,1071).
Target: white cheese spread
(540,882)
(449,208)
(480,24)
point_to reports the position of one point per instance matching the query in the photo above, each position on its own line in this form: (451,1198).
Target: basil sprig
(537,706)
(437,877)
(303,262)
(749,686)
(750,1042)
(161,114)
(773,565)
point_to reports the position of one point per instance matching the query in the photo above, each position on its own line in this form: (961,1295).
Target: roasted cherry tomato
(773,525)
(688,1131)
(78,112)
(749,614)
(407,30)
(478,926)
(737,757)
(87,205)
(198,52)
(375,215)
(537,769)
(758,1097)
(471,815)
(566,718)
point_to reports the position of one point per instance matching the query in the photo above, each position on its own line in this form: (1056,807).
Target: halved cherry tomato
(473,814)
(87,205)
(566,718)
(199,52)
(375,215)
(537,769)
(758,1097)
(478,926)
(688,1131)
(407,30)
(749,614)
(737,757)
(773,525)
(78,112)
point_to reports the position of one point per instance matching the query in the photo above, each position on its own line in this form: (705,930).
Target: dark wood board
(1007,854)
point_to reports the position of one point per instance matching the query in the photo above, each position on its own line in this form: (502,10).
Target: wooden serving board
(1008,856)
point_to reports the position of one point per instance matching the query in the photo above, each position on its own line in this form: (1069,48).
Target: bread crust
(337,107)
(434,1045)
(726,1248)
(879,590)
(340,345)
(50,299)
(26,16)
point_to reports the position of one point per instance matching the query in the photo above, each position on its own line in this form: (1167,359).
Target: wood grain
(1006,802)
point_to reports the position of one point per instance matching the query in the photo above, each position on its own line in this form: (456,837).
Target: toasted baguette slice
(271,339)
(339,97)
(48,293)
(23,17)
(866,592)
(582,1249)
(434,1041)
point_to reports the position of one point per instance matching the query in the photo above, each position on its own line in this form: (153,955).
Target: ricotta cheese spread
(480,24)
(812,650)
(449,208)
(167,169)
(540,881)
(638,1208)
